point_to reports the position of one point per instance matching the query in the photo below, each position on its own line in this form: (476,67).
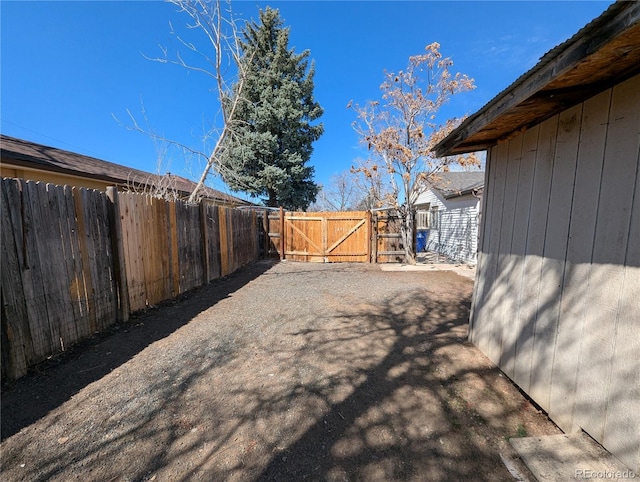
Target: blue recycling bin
(421,240)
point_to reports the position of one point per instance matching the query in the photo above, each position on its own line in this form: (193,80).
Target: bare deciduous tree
(401,130)
(216,23)
(340,194)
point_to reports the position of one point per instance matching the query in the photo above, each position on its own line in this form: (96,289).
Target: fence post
(282,251)
(173,249)
(119,270)
(256,234)
(266,240)
(369,231)
(374,237)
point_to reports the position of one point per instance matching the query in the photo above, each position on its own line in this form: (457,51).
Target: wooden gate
(388,246)
(323,237)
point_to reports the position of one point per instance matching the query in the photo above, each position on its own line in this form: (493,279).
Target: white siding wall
(456,232)
(556,302)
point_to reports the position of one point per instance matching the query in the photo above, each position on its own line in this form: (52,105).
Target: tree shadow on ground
(53,382)
(327,383)
(403,419)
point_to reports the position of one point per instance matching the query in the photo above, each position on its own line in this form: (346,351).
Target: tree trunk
(406,230)
(272,202)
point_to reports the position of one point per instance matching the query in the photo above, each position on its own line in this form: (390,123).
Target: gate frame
(322,249)
(277,221)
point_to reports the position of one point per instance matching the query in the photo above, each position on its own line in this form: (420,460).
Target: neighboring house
(448,214)
(556,299)
(36,162)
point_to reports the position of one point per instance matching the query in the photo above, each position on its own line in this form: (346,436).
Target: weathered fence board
(117,249)
(132,255)
(101,236)
(57,284)
(247,236)
(31,275)
(45,244)
(174,272)
(71,255)
(190,257)
(17,346)
(224,242)
(239,238)
(211,224)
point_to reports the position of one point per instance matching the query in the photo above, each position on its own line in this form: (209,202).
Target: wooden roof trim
(616,20)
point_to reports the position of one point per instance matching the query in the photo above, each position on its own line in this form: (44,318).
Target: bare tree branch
(218,27)
(340,194)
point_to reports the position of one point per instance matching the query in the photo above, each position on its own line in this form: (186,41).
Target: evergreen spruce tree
(271,143)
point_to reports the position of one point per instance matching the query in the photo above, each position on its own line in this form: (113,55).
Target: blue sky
(67,68)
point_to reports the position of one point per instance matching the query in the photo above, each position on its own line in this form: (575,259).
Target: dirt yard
(283,372)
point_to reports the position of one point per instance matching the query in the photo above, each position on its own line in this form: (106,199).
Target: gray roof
(454,184)
(603,53)
(37,156)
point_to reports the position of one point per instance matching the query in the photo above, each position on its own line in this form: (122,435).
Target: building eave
(603,53)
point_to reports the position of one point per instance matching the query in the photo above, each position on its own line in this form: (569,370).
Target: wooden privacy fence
(172,247)
(57,270)
(74,260)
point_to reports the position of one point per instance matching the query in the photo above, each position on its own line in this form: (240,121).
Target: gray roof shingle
(454,184)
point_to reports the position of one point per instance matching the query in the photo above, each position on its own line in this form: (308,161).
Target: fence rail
(75,260)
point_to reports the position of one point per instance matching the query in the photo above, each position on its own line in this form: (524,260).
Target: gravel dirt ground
(282,371)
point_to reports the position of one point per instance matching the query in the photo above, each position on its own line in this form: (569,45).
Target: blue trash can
(421,240)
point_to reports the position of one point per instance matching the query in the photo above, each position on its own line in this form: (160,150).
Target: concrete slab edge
(573,456)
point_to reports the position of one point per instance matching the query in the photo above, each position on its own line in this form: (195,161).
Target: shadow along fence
(75,261)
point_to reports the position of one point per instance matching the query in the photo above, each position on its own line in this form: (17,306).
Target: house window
(422,216)
(422,220)
(434,218)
